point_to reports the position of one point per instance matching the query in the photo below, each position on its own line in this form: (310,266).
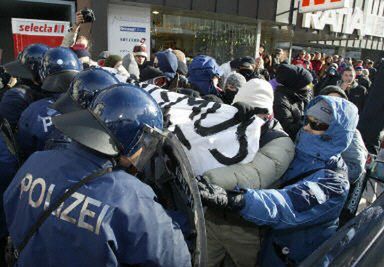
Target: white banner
(127,26)
(210,135)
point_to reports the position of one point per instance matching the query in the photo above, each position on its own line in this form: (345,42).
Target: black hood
(293,77)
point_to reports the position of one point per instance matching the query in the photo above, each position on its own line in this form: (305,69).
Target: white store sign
(369,21)
(127,27)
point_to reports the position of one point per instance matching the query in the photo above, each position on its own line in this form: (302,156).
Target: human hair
(349,69)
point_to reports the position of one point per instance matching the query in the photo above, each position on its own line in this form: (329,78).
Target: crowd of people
(76,131)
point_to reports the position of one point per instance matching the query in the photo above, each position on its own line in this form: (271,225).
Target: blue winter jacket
(112,221)
(35,126)
(304,214)
(200,74)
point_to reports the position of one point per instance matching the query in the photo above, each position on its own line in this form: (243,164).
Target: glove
(246,111)
(215,196)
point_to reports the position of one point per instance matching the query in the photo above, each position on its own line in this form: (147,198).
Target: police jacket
(112,221)
(14,102)
(35,125)
(8,168)
(304,212)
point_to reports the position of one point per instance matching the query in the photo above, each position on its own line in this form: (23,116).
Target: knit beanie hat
(322,111)
(180,56)
(140,49)
(257,93)
(112,60)
(236,80)
(333,89)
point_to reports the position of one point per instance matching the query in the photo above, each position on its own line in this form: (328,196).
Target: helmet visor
(148,143)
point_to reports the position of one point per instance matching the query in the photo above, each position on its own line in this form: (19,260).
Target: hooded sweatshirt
(167,63)
(292,97)
(304,212)
(201,71)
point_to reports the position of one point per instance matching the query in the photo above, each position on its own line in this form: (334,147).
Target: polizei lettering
(79,209)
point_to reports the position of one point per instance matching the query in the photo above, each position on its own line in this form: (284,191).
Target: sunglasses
(316,125)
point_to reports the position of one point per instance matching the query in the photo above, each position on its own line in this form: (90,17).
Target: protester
(116,62)
(204,74)
(292,97)
(372,70)
(131,66)
(233,84)
(303,211)
(356,93)
(361,78)
(229,238)
(141,56)
(299,60)
(26,70)
(125,214)
(102,57)
(78,43)
(317,64)
(260,69)
(355,156)
(247,68)
(371,123)
(331,77)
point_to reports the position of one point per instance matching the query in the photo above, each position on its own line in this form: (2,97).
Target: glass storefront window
(221,40)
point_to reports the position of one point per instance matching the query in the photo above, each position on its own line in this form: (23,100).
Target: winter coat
(226,230)
(131,66)
(270,162)
(370,130)
(304,213)
(288,108)
(201,71)
(357,94)
(167,62)
(355,157)
(317,65)
(363,81)
(113,220)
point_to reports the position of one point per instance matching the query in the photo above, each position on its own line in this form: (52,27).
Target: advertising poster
(128,26)
(29,31)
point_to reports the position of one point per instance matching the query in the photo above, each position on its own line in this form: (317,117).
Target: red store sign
(319,5)
(30,31)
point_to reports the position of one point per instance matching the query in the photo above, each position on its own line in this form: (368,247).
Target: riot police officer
(112,218)
(59,67)
(26,70)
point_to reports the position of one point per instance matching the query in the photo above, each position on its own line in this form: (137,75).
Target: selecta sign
(319,5)
(29,31)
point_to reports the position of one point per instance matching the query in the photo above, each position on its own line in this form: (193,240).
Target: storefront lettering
(347,20)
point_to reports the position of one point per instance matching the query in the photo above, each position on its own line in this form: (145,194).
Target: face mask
(228,97)
(246,73)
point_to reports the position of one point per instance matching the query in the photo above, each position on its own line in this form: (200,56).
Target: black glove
(216,197)
(246,111)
